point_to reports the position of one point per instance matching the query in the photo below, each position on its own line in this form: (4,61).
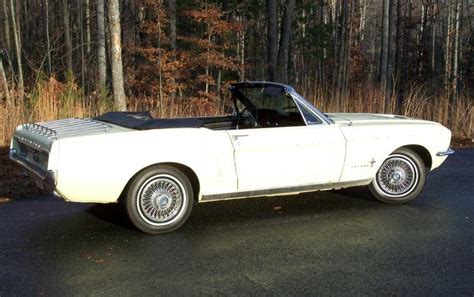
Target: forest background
(80,58)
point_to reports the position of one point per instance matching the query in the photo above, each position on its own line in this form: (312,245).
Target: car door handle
(236,137)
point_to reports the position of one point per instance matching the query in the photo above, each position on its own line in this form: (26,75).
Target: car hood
(357,119)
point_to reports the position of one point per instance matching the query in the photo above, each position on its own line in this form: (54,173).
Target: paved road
(335,243)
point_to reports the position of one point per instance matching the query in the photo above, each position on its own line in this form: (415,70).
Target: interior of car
(254,107)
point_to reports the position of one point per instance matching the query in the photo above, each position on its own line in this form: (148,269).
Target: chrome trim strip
(67,127)
(313,109)
(448,152)
(284,191)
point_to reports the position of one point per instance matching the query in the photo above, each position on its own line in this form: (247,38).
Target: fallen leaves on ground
(4,199)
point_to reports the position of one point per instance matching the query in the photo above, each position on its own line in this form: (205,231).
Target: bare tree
(101,58)
(448,51)
(67,35)
(48,39)
(282,61)
(116,56)
(4,82)
(172,23)
(385,44)
(272,36)
(16,37)
(6,27)
(457,45)
(88,27)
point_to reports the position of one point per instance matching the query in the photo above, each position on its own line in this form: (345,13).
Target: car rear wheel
(159,199)
(400,178)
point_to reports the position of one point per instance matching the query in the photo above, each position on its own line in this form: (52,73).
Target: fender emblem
(372,162)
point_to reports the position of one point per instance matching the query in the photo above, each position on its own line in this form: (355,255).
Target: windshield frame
(297,98)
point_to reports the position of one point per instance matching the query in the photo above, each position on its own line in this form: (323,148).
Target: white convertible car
(275,142)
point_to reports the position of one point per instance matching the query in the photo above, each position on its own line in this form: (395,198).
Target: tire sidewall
(132,198)
(420,166)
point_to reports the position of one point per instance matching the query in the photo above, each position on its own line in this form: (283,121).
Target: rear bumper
(448,152)
(44,179)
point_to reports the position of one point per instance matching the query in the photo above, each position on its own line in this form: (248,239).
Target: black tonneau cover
(145,121)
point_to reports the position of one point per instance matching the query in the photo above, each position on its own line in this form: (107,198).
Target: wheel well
(190,174)
(185,169)
(422,152)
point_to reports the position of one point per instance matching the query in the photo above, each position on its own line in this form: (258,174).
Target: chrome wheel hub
(160,199)
(397,176)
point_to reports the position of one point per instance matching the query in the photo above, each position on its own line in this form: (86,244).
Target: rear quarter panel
(97,168)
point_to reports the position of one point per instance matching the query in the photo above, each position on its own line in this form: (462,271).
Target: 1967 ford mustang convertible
(275,142)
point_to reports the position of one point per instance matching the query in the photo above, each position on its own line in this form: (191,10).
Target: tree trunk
(172,22)
(385,44)
(116,56)
(81,45)
(342,51)
(88,27)
(390,56)
(16,37)
(255,33)
(433,39)
(421,38)
(160,71)
(347,59)
(272,36)
(48,39)
(241,47)
(321,47)
(101,58)
(397,65)
(336,44)
(447,52)
(3,78)
(67,35)
(455,82)
(6,27)
(363,19)
(282,60)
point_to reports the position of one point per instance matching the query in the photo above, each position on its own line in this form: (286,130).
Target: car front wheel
(159,199)
(400,178)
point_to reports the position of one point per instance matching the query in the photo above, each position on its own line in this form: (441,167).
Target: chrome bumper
(44,179)
(448,152)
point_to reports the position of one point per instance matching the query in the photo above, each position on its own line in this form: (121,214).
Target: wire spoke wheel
(400,178)
(160,199)
(397,176)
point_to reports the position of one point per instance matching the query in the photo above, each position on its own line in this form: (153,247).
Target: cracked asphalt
(326,243)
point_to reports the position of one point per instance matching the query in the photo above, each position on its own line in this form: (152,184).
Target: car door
(285,157)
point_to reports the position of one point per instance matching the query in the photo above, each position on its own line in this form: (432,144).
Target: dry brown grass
(52,99)
(418,103)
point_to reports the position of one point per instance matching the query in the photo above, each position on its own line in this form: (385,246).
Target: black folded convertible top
(145,121)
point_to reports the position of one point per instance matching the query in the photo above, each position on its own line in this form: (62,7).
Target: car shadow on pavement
(113,213)
(253,209)
(281,207)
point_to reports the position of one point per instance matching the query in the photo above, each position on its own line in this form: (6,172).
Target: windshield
(268,106)
(270,97)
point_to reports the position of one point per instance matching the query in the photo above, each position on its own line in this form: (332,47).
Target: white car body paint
(97,167)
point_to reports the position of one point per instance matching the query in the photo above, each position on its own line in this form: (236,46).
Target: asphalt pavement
(340,243)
